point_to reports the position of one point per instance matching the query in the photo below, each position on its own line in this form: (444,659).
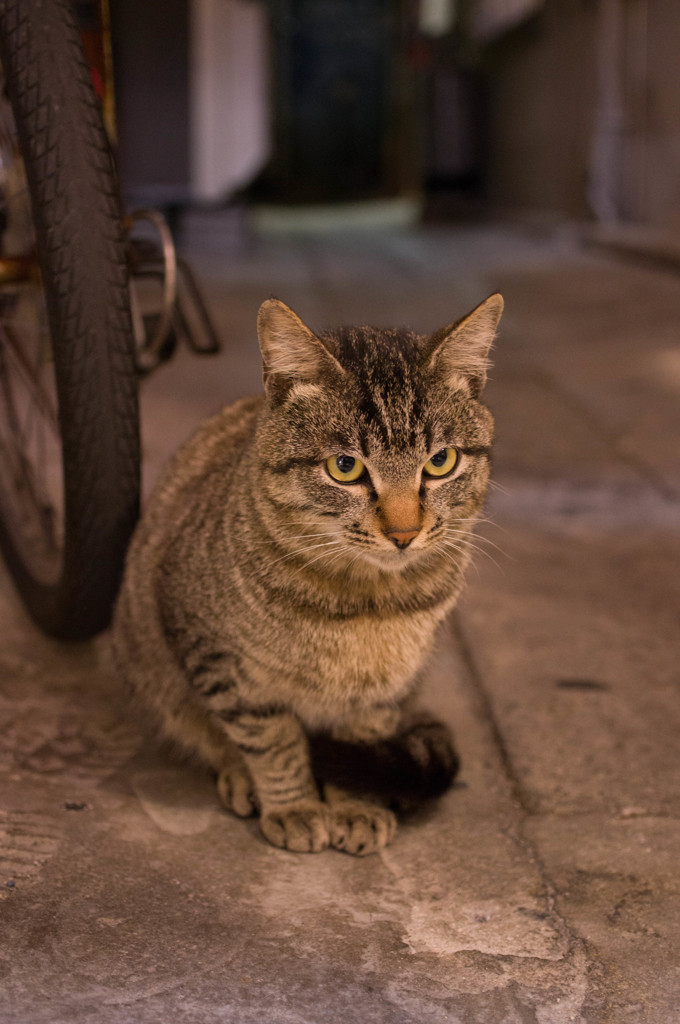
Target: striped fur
(262,600)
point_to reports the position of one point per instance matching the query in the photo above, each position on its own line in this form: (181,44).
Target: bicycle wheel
(69,432)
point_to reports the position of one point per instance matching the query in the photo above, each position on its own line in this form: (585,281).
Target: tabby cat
(296,557)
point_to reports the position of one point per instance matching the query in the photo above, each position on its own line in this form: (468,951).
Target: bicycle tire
(78,230)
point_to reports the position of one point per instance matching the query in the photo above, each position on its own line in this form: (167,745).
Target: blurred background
(432,109)
(394,162)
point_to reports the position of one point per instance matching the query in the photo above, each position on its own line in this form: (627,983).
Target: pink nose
(402,538)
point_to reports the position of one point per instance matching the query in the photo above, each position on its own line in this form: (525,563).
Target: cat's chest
(357,660)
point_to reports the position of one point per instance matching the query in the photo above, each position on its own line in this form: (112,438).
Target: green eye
(345,468)
(442,462)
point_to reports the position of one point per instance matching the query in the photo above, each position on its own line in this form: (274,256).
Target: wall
(192,97)
(558,124)
(650,187)
(540,88)
(152,98)
(229,103)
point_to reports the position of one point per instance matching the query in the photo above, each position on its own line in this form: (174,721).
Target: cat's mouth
(393,559)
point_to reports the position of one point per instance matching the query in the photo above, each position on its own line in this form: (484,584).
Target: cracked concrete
(544,887)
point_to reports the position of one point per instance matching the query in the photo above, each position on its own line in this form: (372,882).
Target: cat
(296,558)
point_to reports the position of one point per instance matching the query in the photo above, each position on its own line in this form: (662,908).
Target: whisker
(353,561)
(311,561)
(478,537)
(489,522)
(302,522)
(296,536)
(473,547)
(298,553)
(482,540)
(448,555)
(477,521)
(339,554)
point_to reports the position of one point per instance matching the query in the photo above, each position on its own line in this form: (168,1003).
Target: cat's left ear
(462,349)
(291,353)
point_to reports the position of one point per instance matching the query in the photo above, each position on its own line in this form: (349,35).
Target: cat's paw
(430,747)
(236,791)
(302,826)
(368,724)
(361,828)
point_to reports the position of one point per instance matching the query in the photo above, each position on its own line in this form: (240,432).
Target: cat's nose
(402,538)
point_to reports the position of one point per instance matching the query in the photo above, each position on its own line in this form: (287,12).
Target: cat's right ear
(291,353)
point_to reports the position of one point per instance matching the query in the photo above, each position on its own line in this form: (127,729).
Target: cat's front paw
(236,791)
(361,828)
(430,747)
(302,826)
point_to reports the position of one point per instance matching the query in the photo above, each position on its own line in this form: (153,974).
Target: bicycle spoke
(26,371)
(30,425)
(16,449)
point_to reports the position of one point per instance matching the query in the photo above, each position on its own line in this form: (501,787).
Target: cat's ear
(291,353)
(462,349)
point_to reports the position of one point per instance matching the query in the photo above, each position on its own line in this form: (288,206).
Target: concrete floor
(544,886)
